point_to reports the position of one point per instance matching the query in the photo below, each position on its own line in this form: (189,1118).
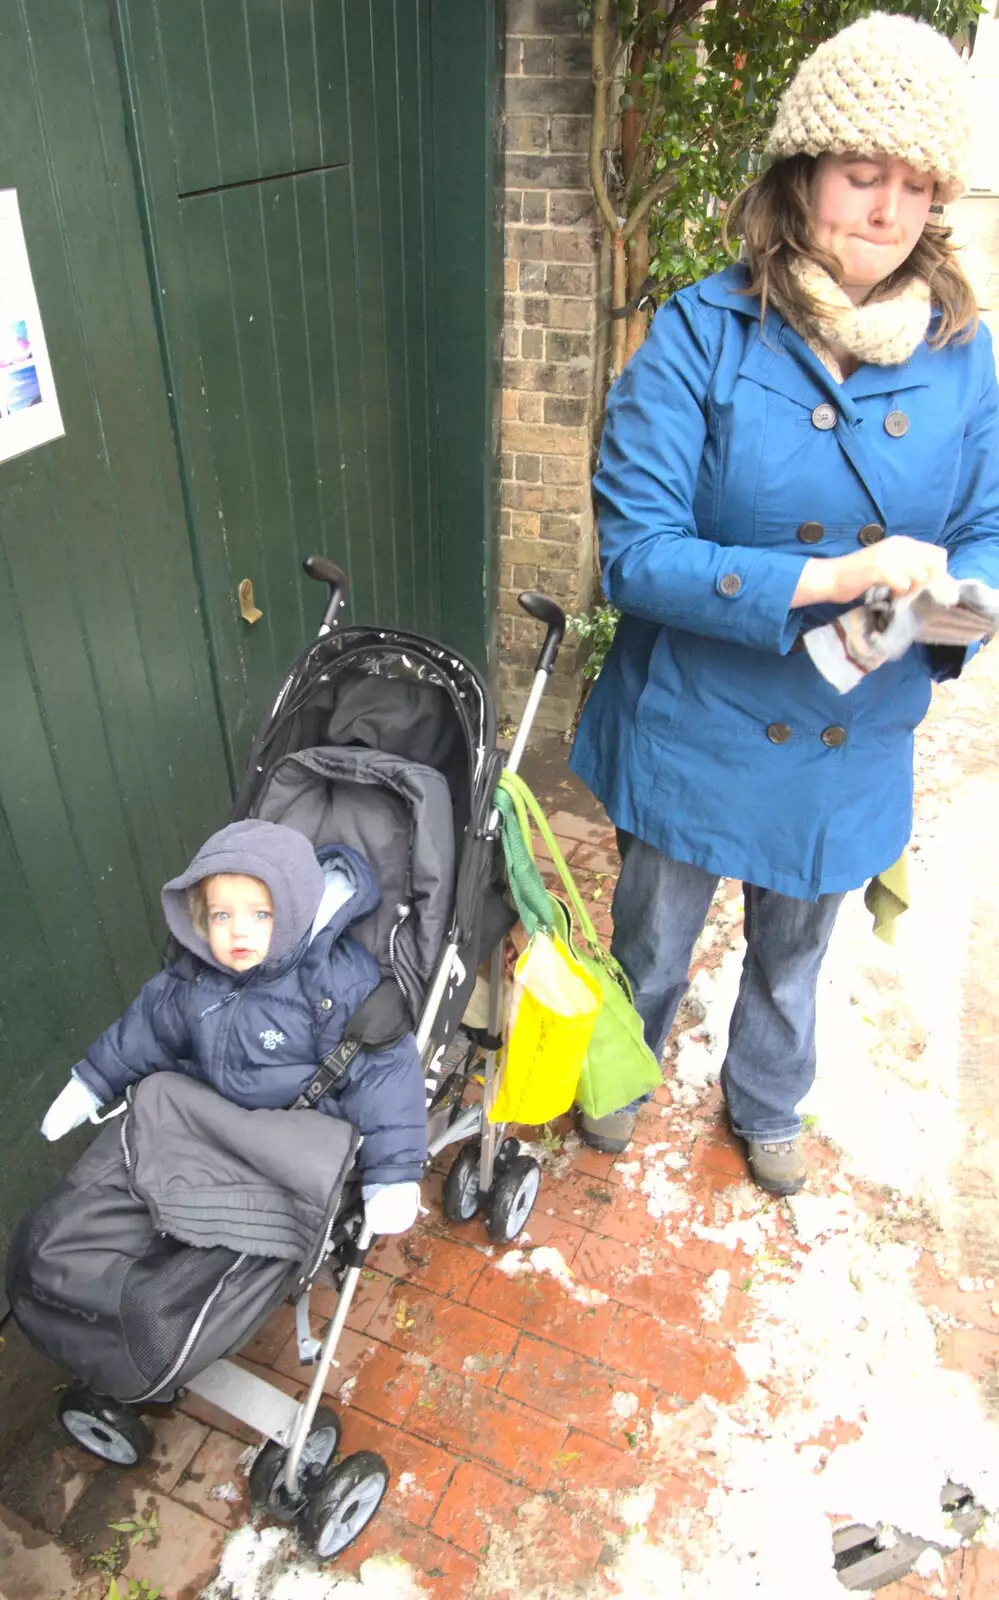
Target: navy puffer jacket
(257,1036)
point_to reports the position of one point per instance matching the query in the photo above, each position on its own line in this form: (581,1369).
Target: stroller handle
(326,571)
(543,609)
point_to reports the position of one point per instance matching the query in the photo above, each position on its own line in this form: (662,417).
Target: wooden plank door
(111,756)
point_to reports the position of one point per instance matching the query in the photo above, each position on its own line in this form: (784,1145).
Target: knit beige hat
(886,85)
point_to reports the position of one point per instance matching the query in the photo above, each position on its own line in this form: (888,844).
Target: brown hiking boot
(777,1168)
(611,1134)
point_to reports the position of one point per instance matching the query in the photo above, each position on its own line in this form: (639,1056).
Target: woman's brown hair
(773,218)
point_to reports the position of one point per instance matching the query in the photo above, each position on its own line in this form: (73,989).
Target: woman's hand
(900,563)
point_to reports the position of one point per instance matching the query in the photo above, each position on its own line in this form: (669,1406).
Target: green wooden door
(111,760)
(289,154)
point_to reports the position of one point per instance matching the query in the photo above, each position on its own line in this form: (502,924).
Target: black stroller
(384,741)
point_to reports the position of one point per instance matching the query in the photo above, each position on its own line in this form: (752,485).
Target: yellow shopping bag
(554,1008)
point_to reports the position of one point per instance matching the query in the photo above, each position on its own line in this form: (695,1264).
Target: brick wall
(553,340)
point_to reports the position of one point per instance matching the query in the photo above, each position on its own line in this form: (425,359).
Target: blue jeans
(659,909)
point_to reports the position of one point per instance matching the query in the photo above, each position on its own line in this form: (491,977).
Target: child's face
(240,920)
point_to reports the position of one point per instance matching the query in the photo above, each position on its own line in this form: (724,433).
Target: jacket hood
(279,856)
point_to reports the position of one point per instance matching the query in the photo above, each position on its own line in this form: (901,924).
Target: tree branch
(598,127)
(640,210)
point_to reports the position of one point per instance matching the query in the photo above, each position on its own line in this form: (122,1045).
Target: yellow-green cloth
(887,896)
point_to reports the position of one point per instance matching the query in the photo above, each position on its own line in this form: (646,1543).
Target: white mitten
(392,1207)
(77,1104)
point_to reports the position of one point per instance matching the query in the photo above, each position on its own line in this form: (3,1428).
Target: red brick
(477,1501)
(372,1287)
(215,1466)
(268,1342)
(671,1358)
(435,1263)
(177,1438)
(597,1205)
(550,1545)
(594,1164)
(967,1305)
(723,1155)
(441,1571)
(654,1123)
(590,1474)
(472,1421)
(667,1291)
(538,1303)
(407,1457)
(980,1575)
(386,1380)
(590,858)
(454,1336)
(186,1544)
(707,1255)
(971,1350)
(566,825)
(550,1230)
(575,1390)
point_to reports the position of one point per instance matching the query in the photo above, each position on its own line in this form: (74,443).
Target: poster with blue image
(29,408)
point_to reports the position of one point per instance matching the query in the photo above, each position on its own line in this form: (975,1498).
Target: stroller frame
(286,1422)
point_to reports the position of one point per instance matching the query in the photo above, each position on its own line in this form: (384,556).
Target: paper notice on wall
(29,410)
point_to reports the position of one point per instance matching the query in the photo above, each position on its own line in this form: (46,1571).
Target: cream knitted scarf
(883,332)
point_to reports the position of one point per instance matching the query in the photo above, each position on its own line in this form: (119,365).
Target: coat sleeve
(385,1099)
(654,565)
(971,533)
(149,1037)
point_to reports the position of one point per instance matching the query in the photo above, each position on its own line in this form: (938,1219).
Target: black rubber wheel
(512,1199)
(105,1428)
(507,1152)
(267,1487)
(346,1503)
(461,1186)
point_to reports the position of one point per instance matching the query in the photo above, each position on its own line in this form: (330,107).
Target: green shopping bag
(618,1065)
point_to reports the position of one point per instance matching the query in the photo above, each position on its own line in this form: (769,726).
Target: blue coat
(712,460)
(257,1037)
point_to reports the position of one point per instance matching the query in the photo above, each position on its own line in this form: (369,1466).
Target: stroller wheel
(461,1186)
(105,1428)
(513,1196)
(345,1504)
(267,1488)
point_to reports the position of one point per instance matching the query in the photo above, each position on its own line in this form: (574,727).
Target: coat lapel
(777,358)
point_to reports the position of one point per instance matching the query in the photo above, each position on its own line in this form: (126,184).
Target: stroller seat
(397,815)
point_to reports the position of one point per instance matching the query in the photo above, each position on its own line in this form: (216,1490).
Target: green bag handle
(516,801)
(528,811)
(530,896)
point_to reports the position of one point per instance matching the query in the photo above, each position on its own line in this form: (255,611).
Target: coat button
(778,733)
(834,737)
(730,584)
(326,1005)
(811,532)
(871,533)
(896,423)
(825,417)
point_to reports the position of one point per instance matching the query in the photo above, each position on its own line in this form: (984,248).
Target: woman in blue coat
(796,429)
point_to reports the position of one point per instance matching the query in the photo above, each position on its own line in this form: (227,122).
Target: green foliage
(596,626)
(706,95)
(138,1589)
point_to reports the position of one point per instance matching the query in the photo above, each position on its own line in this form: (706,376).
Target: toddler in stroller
(265,983)
(192,1217)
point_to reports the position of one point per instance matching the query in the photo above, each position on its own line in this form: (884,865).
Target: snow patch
(228,1492)
(264,1564)
(714,1294)
(546,1259)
